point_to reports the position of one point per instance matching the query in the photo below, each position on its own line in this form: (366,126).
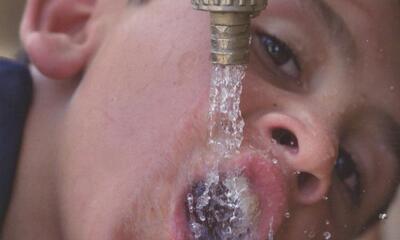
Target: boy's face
(321,96)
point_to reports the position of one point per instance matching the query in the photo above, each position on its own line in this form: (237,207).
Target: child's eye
(280,54)
(347,172)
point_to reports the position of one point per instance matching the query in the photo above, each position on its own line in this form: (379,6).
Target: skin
(112,145)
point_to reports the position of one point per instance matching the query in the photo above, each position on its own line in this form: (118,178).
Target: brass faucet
(230,28)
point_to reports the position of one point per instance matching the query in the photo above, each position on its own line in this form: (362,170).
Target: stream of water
(225,119)
(220,207)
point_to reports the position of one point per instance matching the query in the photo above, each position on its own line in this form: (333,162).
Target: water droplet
(327,222)
(311,234)
(327,235)
(326,198)
(364,191)
(287,214)
(197,230)
(190,203)
(383,216)
(270,233)
(275,161)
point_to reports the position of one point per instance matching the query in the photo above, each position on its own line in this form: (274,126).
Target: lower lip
(268,184)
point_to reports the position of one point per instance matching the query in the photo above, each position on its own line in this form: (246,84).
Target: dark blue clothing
(15,98)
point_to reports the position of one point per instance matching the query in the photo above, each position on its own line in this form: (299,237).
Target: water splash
(221,208)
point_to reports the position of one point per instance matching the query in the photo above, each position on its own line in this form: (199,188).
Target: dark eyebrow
(334,23)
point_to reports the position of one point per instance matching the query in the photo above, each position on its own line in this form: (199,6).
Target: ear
(57,36)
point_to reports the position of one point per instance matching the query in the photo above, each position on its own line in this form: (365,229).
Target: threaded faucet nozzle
(230,28)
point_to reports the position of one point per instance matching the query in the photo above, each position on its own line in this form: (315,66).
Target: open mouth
(245,200)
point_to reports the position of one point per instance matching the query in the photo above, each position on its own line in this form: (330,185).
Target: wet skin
(122,145)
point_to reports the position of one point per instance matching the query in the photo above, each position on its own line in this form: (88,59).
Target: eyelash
(280,53)
(347,172)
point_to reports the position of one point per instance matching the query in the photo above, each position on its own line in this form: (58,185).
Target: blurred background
(10,15)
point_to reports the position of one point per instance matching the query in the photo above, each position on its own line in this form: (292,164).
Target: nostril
(285,137)
(307,184)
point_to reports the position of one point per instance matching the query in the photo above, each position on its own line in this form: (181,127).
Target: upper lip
(266,181)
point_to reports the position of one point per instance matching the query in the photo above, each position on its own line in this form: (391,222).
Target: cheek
(130,148)
(138,113)
(314,222)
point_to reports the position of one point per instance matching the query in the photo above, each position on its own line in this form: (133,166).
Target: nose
(307,149)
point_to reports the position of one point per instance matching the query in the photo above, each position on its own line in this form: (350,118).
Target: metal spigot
(230,28)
